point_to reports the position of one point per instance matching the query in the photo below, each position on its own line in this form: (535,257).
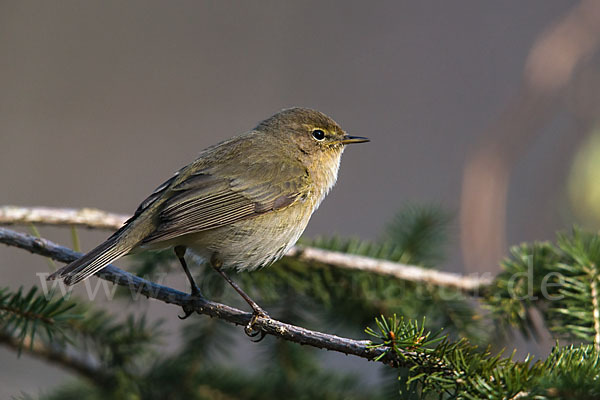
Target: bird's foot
(258,312)
(188,310)
(251,329)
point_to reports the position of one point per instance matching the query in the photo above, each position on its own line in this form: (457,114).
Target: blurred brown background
(472,104)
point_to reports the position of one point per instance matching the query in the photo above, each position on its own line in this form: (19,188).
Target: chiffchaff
(242,203)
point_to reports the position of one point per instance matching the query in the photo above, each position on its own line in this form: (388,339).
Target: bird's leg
(180,253)
(217,263)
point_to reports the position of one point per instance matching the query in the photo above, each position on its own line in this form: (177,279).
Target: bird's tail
(92,262)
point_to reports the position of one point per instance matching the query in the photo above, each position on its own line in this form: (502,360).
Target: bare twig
(92,218)
(469,284)
(87,217)
(360,348)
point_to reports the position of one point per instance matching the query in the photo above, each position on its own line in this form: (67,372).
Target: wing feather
(207,200)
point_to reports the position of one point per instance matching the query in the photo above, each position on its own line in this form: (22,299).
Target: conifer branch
(68,360)
(93,218)
(360,348)
(595,309)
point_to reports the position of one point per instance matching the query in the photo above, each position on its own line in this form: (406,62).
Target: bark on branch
(360,348)
(93,218)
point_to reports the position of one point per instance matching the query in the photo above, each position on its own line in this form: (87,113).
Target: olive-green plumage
(246,200)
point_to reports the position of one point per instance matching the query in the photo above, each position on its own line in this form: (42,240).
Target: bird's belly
(252,243)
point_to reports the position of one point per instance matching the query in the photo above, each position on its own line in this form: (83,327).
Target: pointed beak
(354,139)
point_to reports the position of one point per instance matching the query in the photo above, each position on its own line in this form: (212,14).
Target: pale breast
(255,242)
(259,241)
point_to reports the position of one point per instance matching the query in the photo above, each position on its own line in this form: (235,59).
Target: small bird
(243,203)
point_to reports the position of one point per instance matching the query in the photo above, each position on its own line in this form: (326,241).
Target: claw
(262,336)
(187,311)
(251,331)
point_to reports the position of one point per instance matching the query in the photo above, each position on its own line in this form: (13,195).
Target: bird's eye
(318,134)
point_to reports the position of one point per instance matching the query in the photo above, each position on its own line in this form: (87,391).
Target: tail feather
(92,262)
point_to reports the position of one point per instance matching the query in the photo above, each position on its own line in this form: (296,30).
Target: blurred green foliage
(445,356)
